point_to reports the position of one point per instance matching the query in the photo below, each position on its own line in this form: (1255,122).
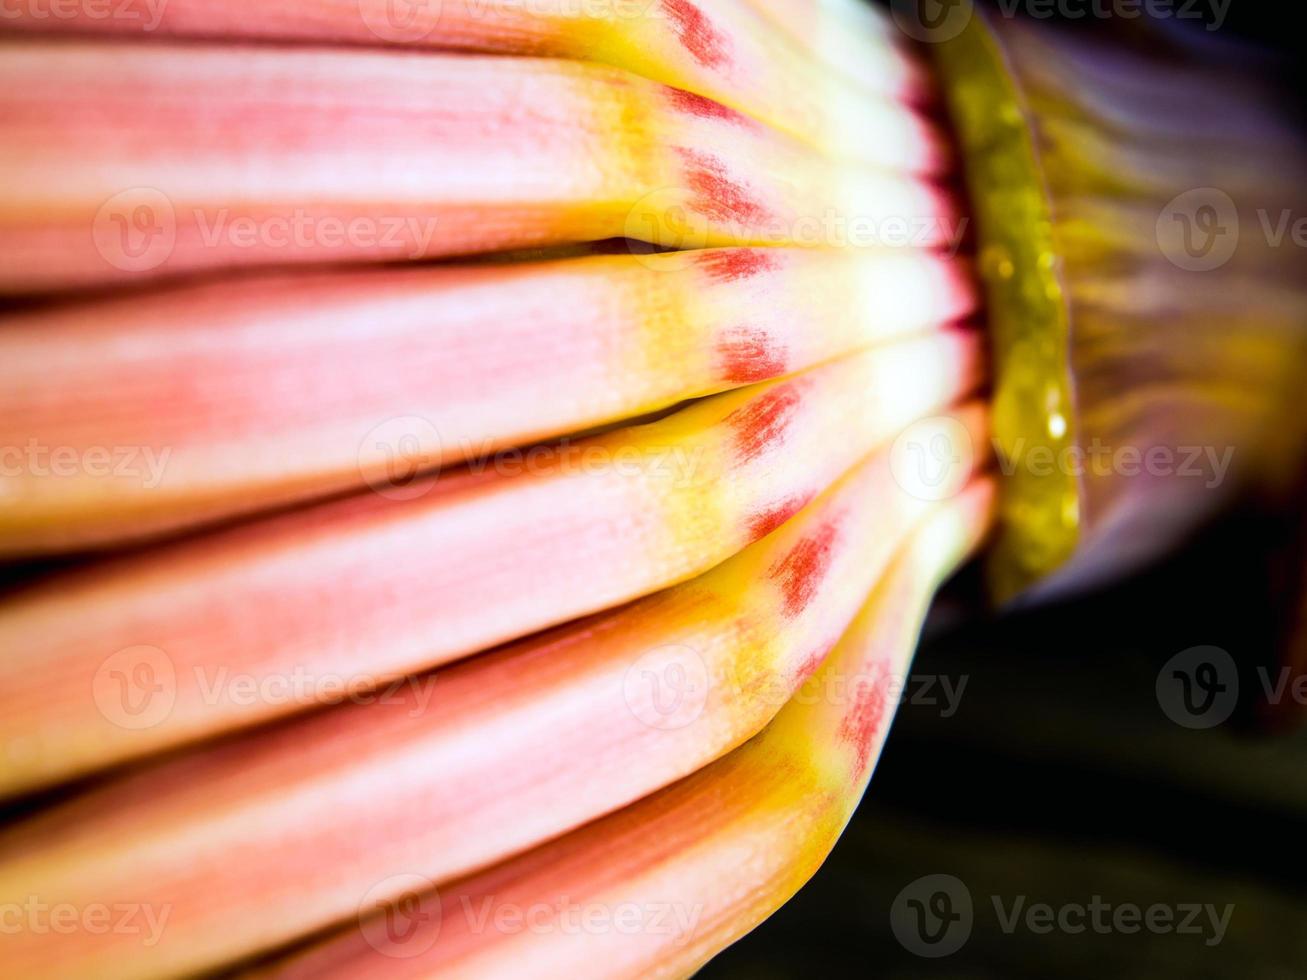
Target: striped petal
(660,887)
(123,417)
(209,157)
(424,572)
(452,772)
(729,54)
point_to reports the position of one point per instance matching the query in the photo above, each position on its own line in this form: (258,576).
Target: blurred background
(1135,749)
(1035,762)
(1111,784)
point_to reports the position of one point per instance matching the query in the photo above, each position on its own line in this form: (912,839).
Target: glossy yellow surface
(1028,318)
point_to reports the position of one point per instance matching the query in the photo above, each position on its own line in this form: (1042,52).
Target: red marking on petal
(720,197)
(765,521)
(808,666)
(730,264)
(693,104)
(706,44)
(802,570)
(763,420)
(868,716)
(744,355)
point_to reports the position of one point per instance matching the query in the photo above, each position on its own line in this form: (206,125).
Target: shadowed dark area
(1057,776)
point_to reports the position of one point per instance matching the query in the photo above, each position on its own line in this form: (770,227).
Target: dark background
(1060,777)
